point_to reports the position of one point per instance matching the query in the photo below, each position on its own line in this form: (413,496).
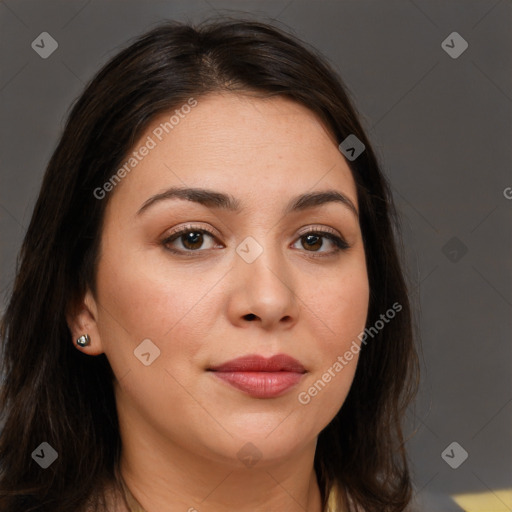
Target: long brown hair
(54,393)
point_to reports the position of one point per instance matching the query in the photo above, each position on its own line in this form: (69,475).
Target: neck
(163,476)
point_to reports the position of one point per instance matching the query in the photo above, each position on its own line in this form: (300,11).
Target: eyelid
(318,227)
(190,227)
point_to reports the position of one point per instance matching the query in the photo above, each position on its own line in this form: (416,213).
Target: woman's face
(257,281)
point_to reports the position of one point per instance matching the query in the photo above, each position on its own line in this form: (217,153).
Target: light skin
(182,427)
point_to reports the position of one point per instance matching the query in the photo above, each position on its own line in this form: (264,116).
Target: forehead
(238,125)
(247,146)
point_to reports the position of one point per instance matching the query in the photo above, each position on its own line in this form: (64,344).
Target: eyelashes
(192,240)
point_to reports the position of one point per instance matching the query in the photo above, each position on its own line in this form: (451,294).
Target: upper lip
(257,363)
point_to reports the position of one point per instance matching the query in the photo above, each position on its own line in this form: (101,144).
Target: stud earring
(84,340)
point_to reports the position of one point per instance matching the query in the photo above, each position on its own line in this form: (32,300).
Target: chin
(256,444)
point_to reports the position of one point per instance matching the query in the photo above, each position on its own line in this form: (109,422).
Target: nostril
(250,316)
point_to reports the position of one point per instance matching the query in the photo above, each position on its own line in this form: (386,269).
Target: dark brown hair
(55,393)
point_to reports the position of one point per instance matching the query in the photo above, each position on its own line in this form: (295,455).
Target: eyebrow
(213,199)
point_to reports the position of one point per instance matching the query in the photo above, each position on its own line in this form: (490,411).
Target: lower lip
(261,384)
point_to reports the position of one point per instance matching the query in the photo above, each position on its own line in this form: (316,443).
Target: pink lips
(261,377)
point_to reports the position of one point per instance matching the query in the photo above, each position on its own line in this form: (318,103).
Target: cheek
(145,299)
(341,307)
(347,317)
(173,311)
(147,304)
(340,315)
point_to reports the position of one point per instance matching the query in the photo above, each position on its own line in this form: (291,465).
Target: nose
(263,293)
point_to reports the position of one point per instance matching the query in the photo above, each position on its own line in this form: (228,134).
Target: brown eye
(192,240)
(314,242)
(189,240)
(311,242)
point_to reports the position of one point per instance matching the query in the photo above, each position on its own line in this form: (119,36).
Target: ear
(82,318)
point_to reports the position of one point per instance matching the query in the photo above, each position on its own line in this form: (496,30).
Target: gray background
(442,130)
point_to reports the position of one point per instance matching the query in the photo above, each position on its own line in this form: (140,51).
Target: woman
(209,312)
